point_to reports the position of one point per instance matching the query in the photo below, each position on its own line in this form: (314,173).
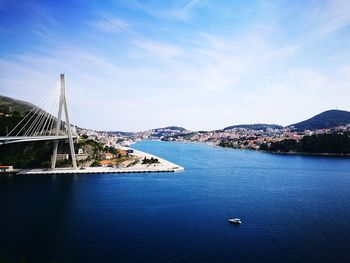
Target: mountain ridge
(324,120)
(8,105)
(256,126)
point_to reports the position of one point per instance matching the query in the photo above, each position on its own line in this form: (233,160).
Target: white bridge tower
(63,106)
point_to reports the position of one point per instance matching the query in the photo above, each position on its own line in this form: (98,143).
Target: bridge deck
(15,139)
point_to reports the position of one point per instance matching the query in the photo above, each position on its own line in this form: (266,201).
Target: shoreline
(163,166)
(308,154)
(264,151)
(291,153)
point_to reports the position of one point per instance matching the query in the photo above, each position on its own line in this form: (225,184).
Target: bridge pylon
(63,106)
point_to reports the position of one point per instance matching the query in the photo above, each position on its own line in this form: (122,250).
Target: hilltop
(159,133)
(172,128)
(169,129)
(10,105)
(256,127)
(325,120)
(12,111)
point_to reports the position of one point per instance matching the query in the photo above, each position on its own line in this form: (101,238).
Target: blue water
(293,208)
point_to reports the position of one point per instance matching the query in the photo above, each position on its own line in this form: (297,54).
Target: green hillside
(12,111)
(258,126)
(324,120)
(334,143)
(9,105)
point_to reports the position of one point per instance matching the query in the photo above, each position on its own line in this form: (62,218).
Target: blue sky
(201,64)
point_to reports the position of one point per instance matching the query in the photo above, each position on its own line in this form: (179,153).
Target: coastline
(264,151)
(291,153)
(308,154)
(165,164)
(161,167)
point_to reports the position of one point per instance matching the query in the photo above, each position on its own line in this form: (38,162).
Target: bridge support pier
(63,106)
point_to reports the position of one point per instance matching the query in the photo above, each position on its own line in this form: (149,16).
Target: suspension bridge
(45,122)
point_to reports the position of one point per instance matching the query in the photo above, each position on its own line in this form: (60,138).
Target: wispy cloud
(338,16)
(43,24)
(111,25)
(156,49)
(180,11)
(200,77)
(225,73)
(29,20)
(184,13)
(330,17)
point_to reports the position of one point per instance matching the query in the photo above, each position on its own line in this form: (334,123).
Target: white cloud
(184,13)
(330,17)
(337,16)
(179,11)
(209,89)
(206,81)
(111,25)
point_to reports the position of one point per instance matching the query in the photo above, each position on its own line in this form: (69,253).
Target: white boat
(235,221)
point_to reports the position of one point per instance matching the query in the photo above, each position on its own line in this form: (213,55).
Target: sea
(294,208)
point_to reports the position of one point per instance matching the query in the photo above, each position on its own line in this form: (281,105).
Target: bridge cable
(40,115)
(37,109)
(47,116)
(33,109)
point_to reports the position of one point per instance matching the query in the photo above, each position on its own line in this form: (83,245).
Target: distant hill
(328,143)
(166,131)
(9,105)
(119,133)
(12,111)
(324,120)
(258,126)
(171,128)
(162,132)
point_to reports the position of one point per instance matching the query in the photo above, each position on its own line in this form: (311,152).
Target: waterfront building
(6,168)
